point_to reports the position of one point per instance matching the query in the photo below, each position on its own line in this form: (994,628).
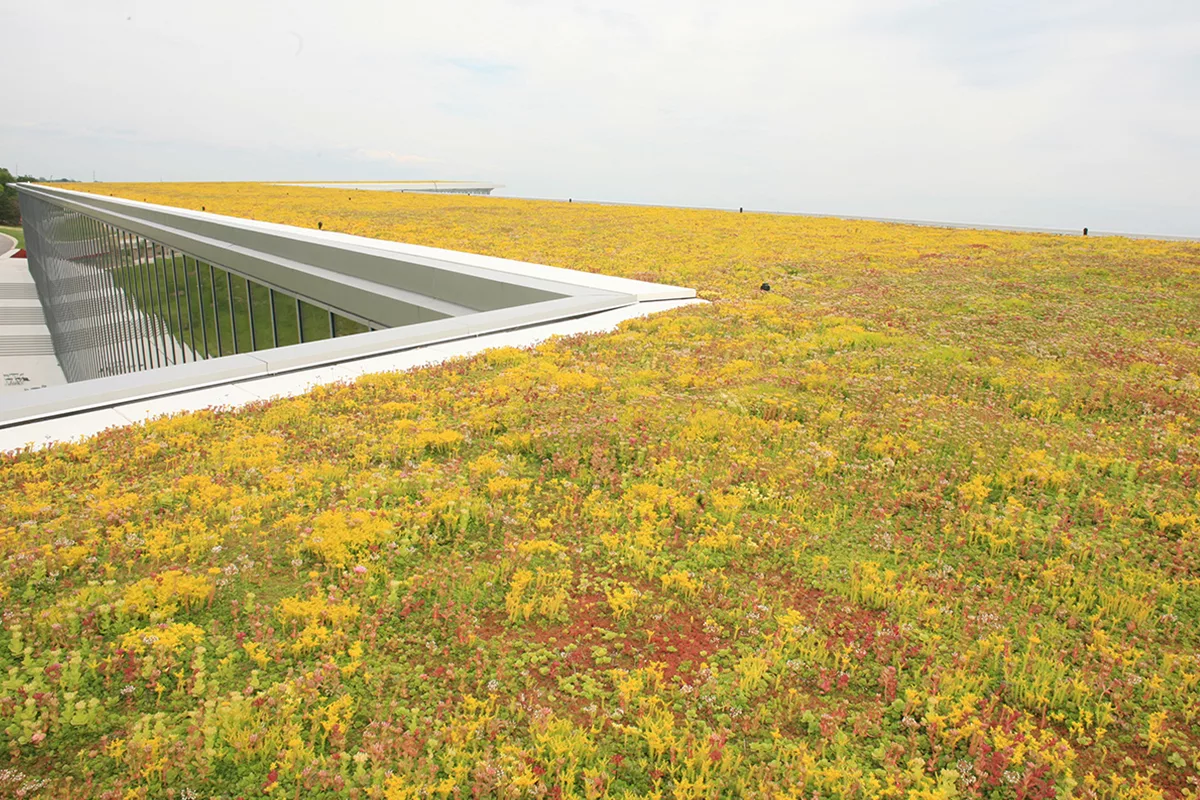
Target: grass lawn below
(15,232)
(194,302)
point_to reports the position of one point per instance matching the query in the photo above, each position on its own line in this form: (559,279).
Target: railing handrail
(287,259)
(454,295)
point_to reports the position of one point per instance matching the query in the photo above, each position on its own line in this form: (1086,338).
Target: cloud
(1019,112)
(389,157)
(483,68)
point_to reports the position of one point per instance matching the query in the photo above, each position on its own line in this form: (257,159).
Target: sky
(1045,113)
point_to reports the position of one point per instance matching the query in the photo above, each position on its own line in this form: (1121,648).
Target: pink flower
(37,737)
(360,570)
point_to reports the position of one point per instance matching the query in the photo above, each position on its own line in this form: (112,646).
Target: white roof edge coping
(103,392)
(642,290)
(367,345)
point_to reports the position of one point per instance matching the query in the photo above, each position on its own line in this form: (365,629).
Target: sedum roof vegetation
(922,521)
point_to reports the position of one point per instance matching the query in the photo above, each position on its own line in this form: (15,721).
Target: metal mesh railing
(117,302)
(129,287)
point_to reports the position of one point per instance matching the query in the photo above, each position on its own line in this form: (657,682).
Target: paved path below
(27,359)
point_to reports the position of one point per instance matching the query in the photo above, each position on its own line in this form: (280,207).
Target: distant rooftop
(441,187)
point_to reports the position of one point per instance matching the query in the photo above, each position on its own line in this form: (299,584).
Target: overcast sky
(1051,113)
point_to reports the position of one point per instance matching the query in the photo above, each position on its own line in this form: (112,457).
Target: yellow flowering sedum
(167,638)
(921,521)
(166,592)
(337,537)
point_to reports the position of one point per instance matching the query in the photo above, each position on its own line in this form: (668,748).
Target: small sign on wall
(19,380)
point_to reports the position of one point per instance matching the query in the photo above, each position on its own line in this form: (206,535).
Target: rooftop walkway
(27,360)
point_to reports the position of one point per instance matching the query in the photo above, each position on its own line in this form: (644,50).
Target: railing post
(212,285)
(114,307)
(148,301)
(106,320)
(250,314)
(156,299)
(178,312)
(121,298)
(200,303)
(274,321)
(86,321)
(232,312)
(139,318)
(109,342)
